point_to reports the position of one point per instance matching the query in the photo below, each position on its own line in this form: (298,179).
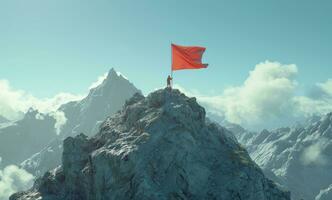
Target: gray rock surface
(158,147)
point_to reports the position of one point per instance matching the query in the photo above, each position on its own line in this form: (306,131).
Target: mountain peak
(103,100)
(111,80)
(113,74)
(114,82)
(111,77)
(156,147)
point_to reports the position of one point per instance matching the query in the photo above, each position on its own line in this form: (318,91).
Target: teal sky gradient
(49,46)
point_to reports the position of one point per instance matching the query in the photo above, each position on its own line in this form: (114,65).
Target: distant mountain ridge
(19,140)
(84,116)
(297,157)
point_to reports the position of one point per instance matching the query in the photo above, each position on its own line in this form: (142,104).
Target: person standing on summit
(169,83)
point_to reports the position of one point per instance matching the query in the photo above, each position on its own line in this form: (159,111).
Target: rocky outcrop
(158,147)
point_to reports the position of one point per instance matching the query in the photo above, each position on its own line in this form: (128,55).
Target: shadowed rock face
(158,147)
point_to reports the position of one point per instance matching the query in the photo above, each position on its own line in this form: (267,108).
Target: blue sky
(48,46)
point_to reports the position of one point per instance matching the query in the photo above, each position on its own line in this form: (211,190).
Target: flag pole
(171,64)
(171,60)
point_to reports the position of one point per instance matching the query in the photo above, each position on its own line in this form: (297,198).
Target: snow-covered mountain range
(158,147)
(297,157)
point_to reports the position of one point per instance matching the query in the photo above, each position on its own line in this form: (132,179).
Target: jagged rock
(158,147)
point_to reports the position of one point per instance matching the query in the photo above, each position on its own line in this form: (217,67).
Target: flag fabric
(187,57)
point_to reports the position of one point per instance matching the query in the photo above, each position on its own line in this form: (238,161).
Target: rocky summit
(157,147)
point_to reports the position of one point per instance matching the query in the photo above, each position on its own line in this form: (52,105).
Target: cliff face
(158,147)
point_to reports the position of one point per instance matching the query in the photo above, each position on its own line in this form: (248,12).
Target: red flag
(187,57)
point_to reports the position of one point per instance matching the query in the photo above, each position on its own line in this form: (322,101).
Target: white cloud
(265,94)
(267,98)
(326,87)
(314,153)
(61,120)
(308,106)
(13,102)
(13,179)
(98,81)
(320,103)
